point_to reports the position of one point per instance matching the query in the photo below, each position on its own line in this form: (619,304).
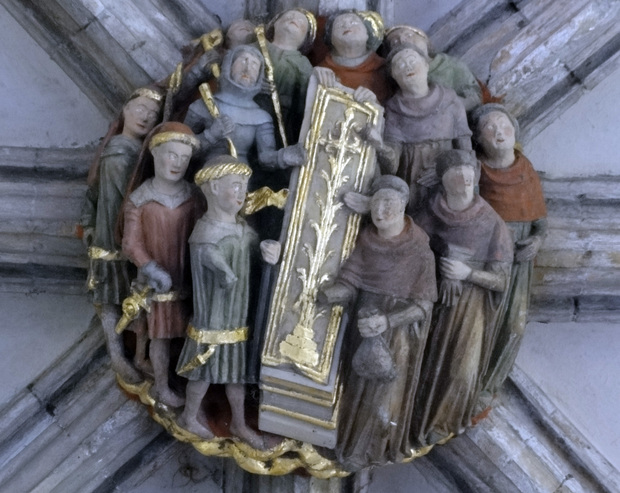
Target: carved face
(496,133)
(406,36)
(240,32)
(245,69)
(293,25)
(409,67)
(171,160)
(229,193)
(140,116)
(349,31)
(386,209)
(459,181)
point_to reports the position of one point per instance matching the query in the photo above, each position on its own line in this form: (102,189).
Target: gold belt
(213,338)
(164,297)
(97,253)
(217,336)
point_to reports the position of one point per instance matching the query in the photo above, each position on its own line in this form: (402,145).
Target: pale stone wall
(40,106)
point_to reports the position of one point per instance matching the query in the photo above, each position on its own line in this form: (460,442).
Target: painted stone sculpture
(443,69)
(110,274)
(221,248)
(248,127)
(353,36)
(159,215)
(391,277)
(474,252)
(380,336)
(511,185)
(288,37)
(421,120)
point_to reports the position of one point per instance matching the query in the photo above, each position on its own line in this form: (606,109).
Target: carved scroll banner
(300,358)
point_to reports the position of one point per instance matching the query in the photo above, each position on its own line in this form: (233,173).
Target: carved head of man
(172,145)
(407,35)
(458,171)
(389,197)
(224,181)
(297,25)
(408,66)
(242,71)
(240,32)
(141,113)
(495,129)
(352,33)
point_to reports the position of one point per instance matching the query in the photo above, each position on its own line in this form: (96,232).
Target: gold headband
(375,20)
(147,93)
(417,31)
(219,170)
(164,137)
(311,22)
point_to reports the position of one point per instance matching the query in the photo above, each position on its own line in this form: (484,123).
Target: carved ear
(214,186)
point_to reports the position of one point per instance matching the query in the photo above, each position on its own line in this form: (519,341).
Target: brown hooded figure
(421,120)
(474,251)
(391,275)
(510,184)
(109,273)
(159,214)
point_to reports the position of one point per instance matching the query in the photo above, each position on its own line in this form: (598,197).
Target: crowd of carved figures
(437,285)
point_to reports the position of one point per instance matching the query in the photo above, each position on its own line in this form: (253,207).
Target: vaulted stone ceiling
(542,55)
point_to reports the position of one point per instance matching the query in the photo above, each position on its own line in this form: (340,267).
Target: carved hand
(206,60)
(364,95)
(221,128)
(156,277)
(325,76)
(294,155)
(337,293)
(357,202)
(372,325)
(227,279)
(270,251)
(454,269)
(527,249)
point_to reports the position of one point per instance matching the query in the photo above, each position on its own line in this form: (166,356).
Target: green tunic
(110,278)
(449,71)
(217,248)
(291,72)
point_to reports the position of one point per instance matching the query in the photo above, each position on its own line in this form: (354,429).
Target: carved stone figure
(110,274)
(443,69)
(249,127)
(240,32)
(511,185)
(352,37)
(222,246)
(391,276)
(421,120)
(474,252)
(159,216)
(290,36)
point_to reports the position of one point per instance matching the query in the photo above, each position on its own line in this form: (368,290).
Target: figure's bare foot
(195,427)
(144,365)
(271,440)
(167,397)
(127,372)
(248,435)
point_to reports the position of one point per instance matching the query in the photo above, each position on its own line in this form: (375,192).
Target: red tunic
(155,232)
(372,73)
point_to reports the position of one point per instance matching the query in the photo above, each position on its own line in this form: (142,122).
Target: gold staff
(262,43)
(207,98)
